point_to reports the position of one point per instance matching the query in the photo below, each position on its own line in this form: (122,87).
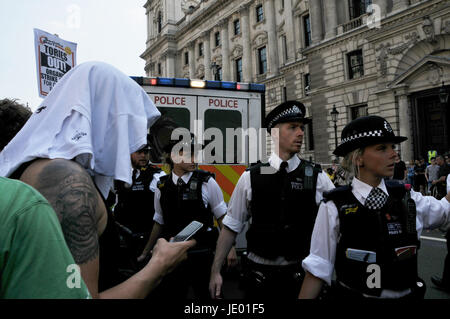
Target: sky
(111,31)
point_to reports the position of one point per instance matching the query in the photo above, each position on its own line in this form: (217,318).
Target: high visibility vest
(431,154)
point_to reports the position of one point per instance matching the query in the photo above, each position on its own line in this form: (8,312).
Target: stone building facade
(385,57)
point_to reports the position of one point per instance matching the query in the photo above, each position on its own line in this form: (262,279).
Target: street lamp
(443,95)
(334,117)
(215,67)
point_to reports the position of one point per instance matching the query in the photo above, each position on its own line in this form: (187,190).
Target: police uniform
(178,201)
(282,207)
(372,240)
(135,206)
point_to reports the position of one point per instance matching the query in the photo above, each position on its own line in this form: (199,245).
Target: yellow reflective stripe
(230,173)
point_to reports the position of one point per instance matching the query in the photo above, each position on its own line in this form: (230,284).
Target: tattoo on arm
(71,192)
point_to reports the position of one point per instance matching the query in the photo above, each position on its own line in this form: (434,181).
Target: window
(262,60)
(309,145)
(307,81)
(239,70)
(217,38)
(200,49)
(259,13)
(181,116)
(358,7)
(186,58)
(223,120)
(284,46)
(159,22)
(237,27)
(159,69)
(307,30)
(358,111)
(355,64)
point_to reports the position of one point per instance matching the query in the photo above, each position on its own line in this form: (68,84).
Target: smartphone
(187,232)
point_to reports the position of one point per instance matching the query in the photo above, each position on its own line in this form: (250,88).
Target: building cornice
(394,23)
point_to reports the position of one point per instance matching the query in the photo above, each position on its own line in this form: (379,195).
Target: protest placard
(54,58)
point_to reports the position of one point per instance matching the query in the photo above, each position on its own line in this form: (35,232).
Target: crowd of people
(78,169)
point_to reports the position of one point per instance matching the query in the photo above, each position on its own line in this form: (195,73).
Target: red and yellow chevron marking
(227,177)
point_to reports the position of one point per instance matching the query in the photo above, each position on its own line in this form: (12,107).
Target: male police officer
(135,204)
(185,195)
(281,197)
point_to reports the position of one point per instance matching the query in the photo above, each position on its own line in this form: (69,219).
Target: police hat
(366,131)
(146,147)
(289,111)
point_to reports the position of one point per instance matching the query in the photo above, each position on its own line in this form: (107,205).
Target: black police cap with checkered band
(366,131)
(289,111)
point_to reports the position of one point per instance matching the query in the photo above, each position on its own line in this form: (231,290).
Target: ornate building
(385,57)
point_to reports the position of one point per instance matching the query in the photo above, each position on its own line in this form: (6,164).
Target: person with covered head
(71,150)
(368,232)
(185,195)
(281,197)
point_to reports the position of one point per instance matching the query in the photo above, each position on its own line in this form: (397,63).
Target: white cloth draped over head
(95,115)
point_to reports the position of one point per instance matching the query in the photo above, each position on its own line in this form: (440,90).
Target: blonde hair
(349,162)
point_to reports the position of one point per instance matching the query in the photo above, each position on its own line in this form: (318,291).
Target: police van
(203,106)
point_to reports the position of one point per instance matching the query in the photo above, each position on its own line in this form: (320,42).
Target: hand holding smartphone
(187,232)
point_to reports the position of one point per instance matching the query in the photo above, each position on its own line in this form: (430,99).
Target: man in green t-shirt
(35,261)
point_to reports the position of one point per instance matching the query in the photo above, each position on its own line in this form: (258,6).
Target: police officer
(281,197)
(368,231)
(187,194)
(135,203)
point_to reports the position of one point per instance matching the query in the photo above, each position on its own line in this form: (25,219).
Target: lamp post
(334,117)
(215,67)
(443,95)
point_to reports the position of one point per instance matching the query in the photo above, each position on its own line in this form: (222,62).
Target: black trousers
(271,282)
(192,273)
(446,272)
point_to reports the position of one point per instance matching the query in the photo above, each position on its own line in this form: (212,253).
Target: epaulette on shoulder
(256,166)
(163,180)
(395,188)
(205,175)
(336,193)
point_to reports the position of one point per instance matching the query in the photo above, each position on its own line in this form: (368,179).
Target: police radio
(411,211)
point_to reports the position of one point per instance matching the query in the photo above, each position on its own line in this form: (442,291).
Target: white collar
(361,190)
(186,177)
(275,161)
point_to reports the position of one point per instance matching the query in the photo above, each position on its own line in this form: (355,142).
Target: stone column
(331,18)
(207,55)
(191,48)
(405,127)
(383,6)
(315,14)
(400,5)
(247,69)
(170,64)
(289,27)
(225,42)
(272,45)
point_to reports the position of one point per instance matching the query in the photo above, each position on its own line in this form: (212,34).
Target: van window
(179,115)
(223,119)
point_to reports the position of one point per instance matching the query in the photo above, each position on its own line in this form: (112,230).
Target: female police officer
(368,231)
